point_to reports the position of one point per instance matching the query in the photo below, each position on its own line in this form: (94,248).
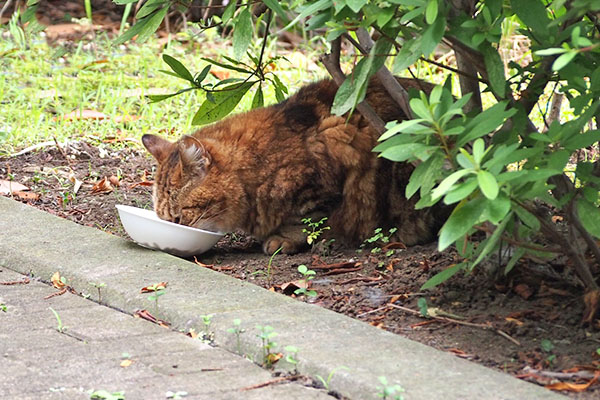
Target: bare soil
(527,320)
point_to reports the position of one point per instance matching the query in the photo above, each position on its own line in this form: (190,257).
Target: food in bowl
(147,230)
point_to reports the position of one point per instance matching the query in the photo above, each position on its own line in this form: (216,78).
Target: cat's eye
(176,220)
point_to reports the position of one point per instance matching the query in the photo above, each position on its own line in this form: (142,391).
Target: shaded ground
(529,319)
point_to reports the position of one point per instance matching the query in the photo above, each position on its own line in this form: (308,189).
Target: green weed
(266,335)
(237,330)
(59,327)
(326,382)
(308,275)
(388,391)
(314,229)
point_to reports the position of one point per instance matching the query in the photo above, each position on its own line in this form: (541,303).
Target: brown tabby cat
(265,170)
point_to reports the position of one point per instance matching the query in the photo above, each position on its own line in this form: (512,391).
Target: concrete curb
(32,241)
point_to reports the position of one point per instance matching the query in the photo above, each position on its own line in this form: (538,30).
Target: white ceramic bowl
(147,230)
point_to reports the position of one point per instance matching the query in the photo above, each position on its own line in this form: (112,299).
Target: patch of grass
(40,84)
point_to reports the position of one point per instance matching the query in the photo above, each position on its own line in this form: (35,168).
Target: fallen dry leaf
(28,196)
(144,314)
(142,183)
(289,288)
(114,180)
(523,290)
(573,387)
(57,281)
(126,363)
(514,321)
(6,187)
(272,358)
(102,186)
(592,301)
(154,288)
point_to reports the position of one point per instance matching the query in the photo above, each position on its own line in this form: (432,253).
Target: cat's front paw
(288,246)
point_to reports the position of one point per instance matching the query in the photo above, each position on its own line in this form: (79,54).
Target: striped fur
(264,170)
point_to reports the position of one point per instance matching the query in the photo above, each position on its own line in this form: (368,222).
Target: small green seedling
(3,307)
(547,346)
(207,336)
(389,391)
(266,336)
(308,275)
(176,395)
(269,272)
(379,236)
(59,327)
(98,286)
(423,308)
(327,382)
(291,355)
(237,330)
(106,395)
(154,297)
(315,229)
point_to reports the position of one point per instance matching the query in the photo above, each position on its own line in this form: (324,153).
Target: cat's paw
(288,246)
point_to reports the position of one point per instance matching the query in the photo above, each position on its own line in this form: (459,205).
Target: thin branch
(389,82)
(487,327)
(331,62)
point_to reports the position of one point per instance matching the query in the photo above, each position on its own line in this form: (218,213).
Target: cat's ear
(193,154)
(160,148)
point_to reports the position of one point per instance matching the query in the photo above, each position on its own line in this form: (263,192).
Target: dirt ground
(522,323)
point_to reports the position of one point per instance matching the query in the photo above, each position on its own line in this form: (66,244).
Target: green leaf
(229,10)
(424,175)
(528,218)
(149,7)
(583,140)
(520,252)
(443,276)
(275,6)
(461,191)
(431,11)
(551,51)
(497,209)
(461,221)
(492,241)
(432,36)
(404,152)
(258,100)
(352,90)
(488,184)
(495,69)
(178,68)
(533,13)
(394,128)
(485,122)
(355,5)
(311,9)
(589,215)
(226,66)
(144,27)
(225,101)
(563,60)
(242,35)
(447,183)
(202,75)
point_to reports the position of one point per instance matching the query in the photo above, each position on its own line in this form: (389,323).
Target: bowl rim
(127,209)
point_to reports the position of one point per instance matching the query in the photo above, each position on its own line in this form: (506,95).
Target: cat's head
(183,192)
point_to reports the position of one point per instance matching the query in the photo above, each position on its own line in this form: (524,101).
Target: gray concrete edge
(35,242)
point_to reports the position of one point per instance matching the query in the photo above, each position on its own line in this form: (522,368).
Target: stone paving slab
(34,241)
(39,362)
